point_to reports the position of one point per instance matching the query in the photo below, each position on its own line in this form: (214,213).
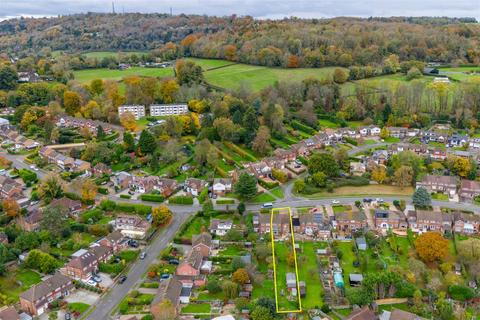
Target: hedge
(268,185)
(225,201)
(102,190)
(134,208)
(240,151)
(351,141)
(125,196)
(181,200)
(203,195)
(302,127)
(152,197)
(112,269)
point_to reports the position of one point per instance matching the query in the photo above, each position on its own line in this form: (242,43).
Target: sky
(262,9)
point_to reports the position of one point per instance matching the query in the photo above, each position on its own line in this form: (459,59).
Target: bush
(268,185)
(225,201)
(125,196)
(351,141)
(108,205)
(181,200)
(102,190)
(203,195)
(152,197)
(140,209)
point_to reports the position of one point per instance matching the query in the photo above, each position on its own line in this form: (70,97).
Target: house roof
(169,289)
(397,314)
(114,236)
(442,180)
(349,216)
(362,314)
(65,202)
(82,261)
(357,277)
(194,259)
(8,312)
(203,238)
(45,287)
(99,251)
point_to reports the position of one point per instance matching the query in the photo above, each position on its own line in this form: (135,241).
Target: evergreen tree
(146,143)
(100,133)
(246,187)
(128,141)
(421,198)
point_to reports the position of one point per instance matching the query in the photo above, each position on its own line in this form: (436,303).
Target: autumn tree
(11,207)
(384,133)
(292,61)
(51,187)
(431,246)
(88,190)
(261,143)
(403,176)
(240,276)
(161,215)
(168,90)
(379,174)
(96,87)
(72,102)
(225,128)
(230,52)
(340,76)
(128,121)
(188,72)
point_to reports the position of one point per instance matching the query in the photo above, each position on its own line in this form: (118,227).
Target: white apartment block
(168,109)
(137,110)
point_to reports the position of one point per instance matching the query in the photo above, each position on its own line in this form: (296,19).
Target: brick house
(221,186)
(311,224)
(81,267)
(35,300)
(285,155)
(469,190)
(132,226)
(10,188)
(188,271)
(194,186)
(466,223)
(169,289)
(203,243)
(348,222)
(115,241)
(281,224)
(220,227)
(73,206)
(167,187)
(389,219)
(424,221)
(442,184)
(31,222)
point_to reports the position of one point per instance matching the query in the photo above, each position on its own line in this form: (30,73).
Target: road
(365,147)
(110,301)
(17,162)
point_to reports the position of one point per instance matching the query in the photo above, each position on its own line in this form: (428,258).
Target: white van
(267,205)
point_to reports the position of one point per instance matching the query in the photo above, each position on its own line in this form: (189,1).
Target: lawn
(231,251)
(259,77)
(392,140)
(369,190)
(462,73)
(263,197)
(348,257)
(115,74)
(210,63)
(282,251)
(78,307)
(440,196)
(195,227)
(340,208)
(310,274)
(197,308)
(16,281)
(278,192)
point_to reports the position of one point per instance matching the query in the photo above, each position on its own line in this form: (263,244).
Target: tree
(413,73)
(299,186)
(261,313)
(225,128)
(403,176)
(147,143)
(421,198)
(203,149)
(230,289)
(161,215)
(431,246)
(54,220)
(319,179)
(188,72)
(246,186)
(164,310)
(11,207)
(213,286)
(341,156)
(340,76)
(323,162)
(96,87)
(240,276)
(100,133)
(71,102)
(384,133)
(261,143)
(51,187)
(8,77)
(89,190)
(128,142)
(168,90)
(128,121)
(379,174)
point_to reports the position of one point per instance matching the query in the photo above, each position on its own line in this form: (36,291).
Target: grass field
(369,190)
(104,54)
(16,281)
(197,308)
(263,197)
(207,64)
(115,74)
(462,73)
(257,77)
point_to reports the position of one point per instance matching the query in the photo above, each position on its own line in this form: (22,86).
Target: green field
(115,74)
(256,77)
(210,63)
(104,54)
(462,73)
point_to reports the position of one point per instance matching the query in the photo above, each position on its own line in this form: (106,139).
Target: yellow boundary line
(275,266)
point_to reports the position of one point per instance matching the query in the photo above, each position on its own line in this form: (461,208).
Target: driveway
(84,296)
(106,280)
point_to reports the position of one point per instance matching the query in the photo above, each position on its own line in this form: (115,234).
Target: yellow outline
(275,267)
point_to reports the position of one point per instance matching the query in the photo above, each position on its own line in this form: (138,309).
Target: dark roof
(45,287)
(82,261)
(195,259)
(362,314)
(114,236)
(169,289)
(9,313)
(203,238)
(99,251)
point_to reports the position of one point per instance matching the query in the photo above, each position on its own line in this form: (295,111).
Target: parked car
(90,282)
(122,279)
(143,255)
(267,205)
(379,200)
(368,200)
(165,276)
(117,259)
(335,202)
(174,261)
(68,316)
(97,278)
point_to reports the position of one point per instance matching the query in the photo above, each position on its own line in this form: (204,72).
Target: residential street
(104,307)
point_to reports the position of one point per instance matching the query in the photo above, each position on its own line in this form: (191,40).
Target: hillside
(287,43)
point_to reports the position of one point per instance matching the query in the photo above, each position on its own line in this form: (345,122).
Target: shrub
(108,205)
(152,197)
(181,200)
(102,190)
(203,195)
(125,196)
(225,201)
(268,185)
